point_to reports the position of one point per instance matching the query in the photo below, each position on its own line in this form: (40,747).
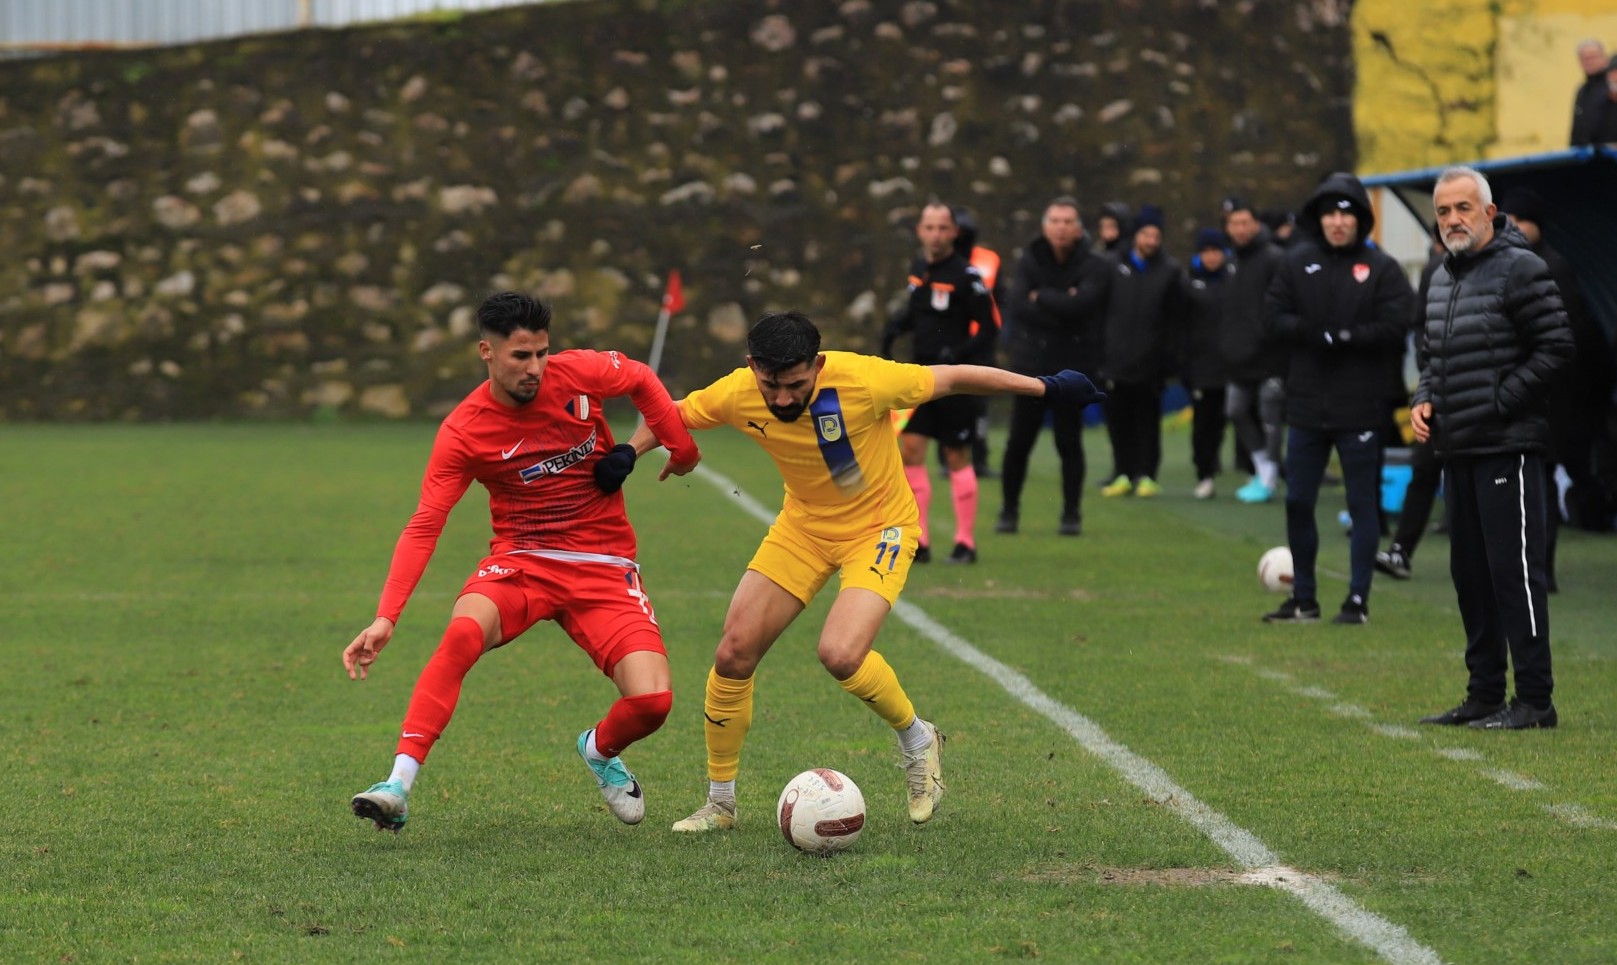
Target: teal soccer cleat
(385,804)
(622,792)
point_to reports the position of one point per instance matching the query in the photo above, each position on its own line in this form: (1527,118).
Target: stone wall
(301,224)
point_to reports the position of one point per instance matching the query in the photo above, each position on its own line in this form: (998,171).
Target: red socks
(921,486)
(438,688)
(631,718)
(963,485)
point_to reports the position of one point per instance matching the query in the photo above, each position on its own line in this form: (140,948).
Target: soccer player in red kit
(534,435)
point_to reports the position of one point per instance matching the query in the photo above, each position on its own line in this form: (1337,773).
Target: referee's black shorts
(952,420)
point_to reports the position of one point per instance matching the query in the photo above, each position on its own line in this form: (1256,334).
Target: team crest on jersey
(579,406)
(1361,272)
(830,427)
(940,298)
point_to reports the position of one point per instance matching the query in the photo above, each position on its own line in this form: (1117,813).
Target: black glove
(614,468)
(1071,388)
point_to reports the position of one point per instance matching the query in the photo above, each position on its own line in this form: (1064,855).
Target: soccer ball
(821,811)
(1274,570)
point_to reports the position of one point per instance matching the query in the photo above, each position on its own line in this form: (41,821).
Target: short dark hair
(935,203)
(505,312)
(781,340)
(1066,201)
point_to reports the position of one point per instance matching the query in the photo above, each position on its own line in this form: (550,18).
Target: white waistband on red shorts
(567,556)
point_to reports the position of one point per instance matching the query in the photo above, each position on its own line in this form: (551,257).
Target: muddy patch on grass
(1158,877)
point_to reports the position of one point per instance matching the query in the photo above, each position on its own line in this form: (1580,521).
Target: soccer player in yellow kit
(848,510)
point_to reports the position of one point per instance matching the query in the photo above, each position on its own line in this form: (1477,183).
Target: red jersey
(537,462)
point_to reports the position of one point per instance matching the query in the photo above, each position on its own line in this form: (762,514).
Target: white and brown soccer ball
(821,811)
(1274,570)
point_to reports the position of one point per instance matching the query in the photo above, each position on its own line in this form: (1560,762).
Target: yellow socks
(876,684)
(728,709)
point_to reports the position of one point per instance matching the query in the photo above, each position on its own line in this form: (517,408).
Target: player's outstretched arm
(644,440)
(360,654)
(1067,387)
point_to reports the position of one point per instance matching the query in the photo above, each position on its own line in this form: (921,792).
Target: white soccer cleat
(923,774)
(715,815)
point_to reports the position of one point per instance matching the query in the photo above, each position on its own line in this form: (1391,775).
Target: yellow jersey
(839,459)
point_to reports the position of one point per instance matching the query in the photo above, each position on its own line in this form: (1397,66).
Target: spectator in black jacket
(1496,338)
(1255,397)
(1057,296)
(1202,364)
(1589,103)
(951,316)
(1144,311)
(1341,307)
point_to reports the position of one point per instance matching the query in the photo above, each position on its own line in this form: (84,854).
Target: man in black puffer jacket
(1496,337)
(1340,307)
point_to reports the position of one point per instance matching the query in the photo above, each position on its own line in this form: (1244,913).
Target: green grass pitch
(180,741)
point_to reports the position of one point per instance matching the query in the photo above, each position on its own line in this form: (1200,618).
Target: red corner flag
(674,296)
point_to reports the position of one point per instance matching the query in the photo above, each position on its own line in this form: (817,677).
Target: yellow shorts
(878,560)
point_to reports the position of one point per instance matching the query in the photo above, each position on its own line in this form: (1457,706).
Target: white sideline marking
(1570,813)
(1576,816)
(1516,782)
(1386,939)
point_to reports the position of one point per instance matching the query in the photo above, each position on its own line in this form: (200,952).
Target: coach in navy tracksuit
(1496,337)
(1340,309)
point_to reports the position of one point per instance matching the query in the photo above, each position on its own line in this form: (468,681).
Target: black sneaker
(1294,611)
(923,553)
(1354,610)
(962,554)
(1518,716)
(1472,709)
(1393,562)
(1071,525)
(1006,523)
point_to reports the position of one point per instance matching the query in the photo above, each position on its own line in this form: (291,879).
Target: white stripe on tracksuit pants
(1497,541)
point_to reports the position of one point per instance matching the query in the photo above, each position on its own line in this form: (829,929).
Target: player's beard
(522,393)
(788,413)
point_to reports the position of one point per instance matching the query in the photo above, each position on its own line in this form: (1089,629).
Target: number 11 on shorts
(892,540)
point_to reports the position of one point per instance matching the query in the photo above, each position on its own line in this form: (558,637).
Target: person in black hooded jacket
(1496,340)
(1341,307)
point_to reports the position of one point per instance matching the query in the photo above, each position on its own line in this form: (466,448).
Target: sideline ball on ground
(1274,569)
(821,811)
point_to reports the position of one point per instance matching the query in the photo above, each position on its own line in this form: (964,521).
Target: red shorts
(597,600)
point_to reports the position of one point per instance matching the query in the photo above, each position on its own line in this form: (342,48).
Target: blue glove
(1070,388)
(614,468)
